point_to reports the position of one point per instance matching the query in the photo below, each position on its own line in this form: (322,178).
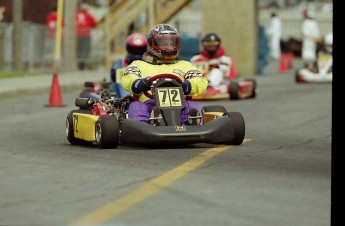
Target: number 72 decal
(169,97)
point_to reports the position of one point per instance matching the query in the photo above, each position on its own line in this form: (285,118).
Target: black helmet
(211,43)
(164,42)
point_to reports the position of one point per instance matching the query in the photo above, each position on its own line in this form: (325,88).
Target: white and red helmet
(136,44)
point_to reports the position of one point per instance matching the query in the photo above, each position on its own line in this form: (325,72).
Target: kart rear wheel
(107,132)
(70,130)
(239,127)
(253,94)
(234,90)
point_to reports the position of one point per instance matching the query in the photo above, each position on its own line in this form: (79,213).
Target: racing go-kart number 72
(106,123)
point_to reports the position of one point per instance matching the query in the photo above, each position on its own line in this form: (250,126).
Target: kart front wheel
(107,132)
(238,126)
(234,90)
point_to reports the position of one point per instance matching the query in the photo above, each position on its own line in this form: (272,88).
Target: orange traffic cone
(55,99)
(283,66)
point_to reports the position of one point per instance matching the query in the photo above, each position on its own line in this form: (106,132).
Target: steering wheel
(159,76)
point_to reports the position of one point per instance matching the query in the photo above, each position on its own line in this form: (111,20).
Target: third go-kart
(228,89)
(316,72)
(105,121)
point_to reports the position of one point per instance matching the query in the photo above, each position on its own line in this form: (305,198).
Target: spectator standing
(51,25)
(84,22)
(51,22)
(274,32)
(264,50)
(311,36)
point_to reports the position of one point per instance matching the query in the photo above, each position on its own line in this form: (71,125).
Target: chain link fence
(38,48)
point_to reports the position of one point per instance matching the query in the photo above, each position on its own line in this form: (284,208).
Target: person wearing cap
(311,36)
(220,66)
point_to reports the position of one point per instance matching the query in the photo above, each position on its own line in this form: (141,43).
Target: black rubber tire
(82,102)
(234,90)
(70,130)
(107,131)
(239,127)
(214,108)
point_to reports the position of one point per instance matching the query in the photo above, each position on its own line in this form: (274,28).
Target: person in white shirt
(311,36)
(274,32)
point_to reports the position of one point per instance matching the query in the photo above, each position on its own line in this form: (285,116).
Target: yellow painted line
(116,207)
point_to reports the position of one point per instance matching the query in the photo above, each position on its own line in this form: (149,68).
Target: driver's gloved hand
(187,87)
(140,85)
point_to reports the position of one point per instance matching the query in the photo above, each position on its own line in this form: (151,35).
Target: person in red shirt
(84,22)
(51,22)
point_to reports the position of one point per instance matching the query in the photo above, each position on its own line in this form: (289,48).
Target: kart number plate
(169,97)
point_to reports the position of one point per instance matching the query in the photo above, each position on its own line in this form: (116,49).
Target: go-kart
(228,89)
(93,89)
(316,72)
(105,121)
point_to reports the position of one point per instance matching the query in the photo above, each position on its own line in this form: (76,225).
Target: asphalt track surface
(280,175)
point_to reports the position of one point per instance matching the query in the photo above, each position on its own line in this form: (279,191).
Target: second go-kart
(228,89)
(93,89)
(105,121)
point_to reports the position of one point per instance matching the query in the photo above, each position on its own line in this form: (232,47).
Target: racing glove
(140,85)
(187,87)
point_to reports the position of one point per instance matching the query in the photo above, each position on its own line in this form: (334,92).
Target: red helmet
(164,42)
(136,44)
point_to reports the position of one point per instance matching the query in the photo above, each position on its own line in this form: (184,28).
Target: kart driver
(135,46)
(221,67)
(163,46)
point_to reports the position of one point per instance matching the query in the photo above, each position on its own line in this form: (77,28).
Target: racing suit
(220,66)
(149,66)
(116,73)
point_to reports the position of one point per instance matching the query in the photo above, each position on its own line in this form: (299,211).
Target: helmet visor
(167,43)
(211,46)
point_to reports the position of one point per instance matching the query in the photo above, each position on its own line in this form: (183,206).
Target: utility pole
(17,34)
(70,41)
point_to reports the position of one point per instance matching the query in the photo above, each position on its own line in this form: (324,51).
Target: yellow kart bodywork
(209,116)
(84,126)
